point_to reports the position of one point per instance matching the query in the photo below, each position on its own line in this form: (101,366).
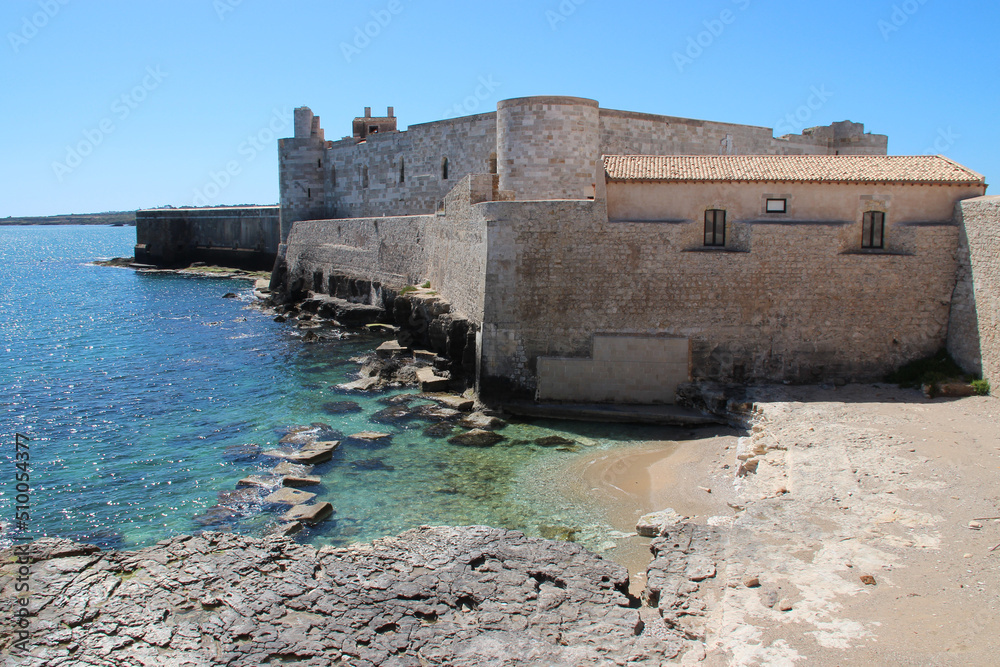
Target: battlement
(368,124)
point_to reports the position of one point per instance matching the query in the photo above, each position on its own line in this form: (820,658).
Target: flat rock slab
(289,468)
(443,596)
(260,481)
(657,524)
(370,436)
(482,421)
(429,381)
(316,452)
(308,514)
(362,384)
(453,401)
(390,348)
(289,496)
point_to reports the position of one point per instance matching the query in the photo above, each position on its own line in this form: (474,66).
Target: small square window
(715,227)
(873,230)
(776,206)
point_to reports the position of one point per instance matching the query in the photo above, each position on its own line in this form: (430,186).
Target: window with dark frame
(715,227)
(776,206)
(873,230)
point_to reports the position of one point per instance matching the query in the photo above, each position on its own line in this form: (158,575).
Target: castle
(609,256)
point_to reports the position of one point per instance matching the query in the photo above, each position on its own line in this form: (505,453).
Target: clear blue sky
(159,95)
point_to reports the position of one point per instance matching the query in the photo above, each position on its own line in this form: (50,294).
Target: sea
(140,400)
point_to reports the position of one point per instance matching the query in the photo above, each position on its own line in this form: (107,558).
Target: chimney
(390,112)
(368,112)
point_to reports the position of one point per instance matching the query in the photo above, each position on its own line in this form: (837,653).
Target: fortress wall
(245,237)
(974,331)
(788,307)
(447,248)
(467,143)
(631,133)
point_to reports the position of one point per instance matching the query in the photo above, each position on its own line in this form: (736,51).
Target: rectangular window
(715,227)
(873,230)
(776,206)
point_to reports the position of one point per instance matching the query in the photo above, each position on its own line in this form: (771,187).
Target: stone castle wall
(403,173)
(631,133)
(245,237)
(974,331)
(761,312)
(447,248)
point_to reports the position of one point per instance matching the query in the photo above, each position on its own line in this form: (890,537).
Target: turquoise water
(147,396)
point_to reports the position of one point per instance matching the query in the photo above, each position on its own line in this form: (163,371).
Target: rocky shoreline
(431,596)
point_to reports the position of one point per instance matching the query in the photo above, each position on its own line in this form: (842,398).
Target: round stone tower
(548,147)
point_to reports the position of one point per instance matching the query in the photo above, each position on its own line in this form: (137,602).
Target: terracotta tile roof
(929,169)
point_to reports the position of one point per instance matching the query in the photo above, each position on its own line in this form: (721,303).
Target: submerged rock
(372,465)
(341,407)
(562,533)
(394,414)
(439,430)
(554,441)
(476,438)
(241,453)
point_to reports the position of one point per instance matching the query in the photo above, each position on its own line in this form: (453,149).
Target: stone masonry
(974,334)
(514,220)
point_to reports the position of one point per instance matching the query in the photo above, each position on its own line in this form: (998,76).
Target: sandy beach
(870,523)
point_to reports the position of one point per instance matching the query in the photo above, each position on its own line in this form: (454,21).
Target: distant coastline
(120,218)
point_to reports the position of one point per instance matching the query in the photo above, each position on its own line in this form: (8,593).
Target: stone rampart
(243,237)
(632,133)
(974,331)
(447,248)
